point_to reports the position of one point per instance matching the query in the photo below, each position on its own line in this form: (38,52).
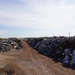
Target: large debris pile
(10,44)
(59,48)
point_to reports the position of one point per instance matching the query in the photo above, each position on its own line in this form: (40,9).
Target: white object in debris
(67,51)
(4,43)
(66,59)
(15,47)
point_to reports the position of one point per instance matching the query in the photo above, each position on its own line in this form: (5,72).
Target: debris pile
(59,48)
(10,44)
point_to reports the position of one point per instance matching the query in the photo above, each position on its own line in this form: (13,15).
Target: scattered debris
(10,44)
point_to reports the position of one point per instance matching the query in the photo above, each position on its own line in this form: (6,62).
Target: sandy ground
(29,62)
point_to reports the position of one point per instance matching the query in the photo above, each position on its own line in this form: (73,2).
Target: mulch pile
(59,48)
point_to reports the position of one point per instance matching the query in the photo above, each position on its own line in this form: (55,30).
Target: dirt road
(29,62)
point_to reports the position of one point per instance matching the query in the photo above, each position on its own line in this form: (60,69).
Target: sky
(37,18)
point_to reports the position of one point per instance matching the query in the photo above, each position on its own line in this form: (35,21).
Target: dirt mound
(11,69)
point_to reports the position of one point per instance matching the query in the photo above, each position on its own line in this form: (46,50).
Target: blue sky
(33,18)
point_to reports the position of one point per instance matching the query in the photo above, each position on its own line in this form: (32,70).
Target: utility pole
(69,34)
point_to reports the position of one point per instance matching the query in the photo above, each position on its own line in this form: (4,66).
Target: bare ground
(29,62)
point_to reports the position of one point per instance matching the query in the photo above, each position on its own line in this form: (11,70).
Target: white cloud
(40,14)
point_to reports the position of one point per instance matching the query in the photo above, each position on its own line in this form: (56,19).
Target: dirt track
(29,62)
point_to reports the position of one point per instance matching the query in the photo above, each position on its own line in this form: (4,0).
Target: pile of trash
(59,48)
(10,44)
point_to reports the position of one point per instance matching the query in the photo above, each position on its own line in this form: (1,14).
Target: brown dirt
(29,62)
